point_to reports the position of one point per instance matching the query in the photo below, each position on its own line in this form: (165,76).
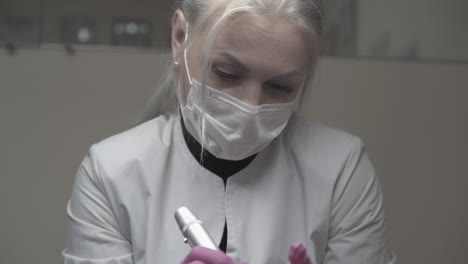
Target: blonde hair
(307,14)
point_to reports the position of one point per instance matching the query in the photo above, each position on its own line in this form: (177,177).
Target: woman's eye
(224,74)
(281,88)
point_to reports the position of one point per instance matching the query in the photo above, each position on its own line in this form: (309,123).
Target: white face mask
(234,130)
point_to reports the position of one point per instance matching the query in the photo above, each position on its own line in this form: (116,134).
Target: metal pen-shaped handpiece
(193,230)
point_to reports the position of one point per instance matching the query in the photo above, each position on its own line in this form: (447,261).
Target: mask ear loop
(186,67)
(300,95)
(185,62)
(202,134)
(203,126)
(185,54)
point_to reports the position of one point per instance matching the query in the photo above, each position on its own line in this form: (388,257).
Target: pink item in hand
(202,255)
(298,254)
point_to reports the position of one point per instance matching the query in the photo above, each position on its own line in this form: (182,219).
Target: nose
(251,94)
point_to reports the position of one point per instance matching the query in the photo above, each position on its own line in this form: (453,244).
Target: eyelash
(229,76)
(223,74)
(284,89)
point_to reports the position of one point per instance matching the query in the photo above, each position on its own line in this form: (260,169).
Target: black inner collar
(221,167)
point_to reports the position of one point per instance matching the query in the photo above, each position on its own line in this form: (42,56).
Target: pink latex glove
(202,255)
(298,254)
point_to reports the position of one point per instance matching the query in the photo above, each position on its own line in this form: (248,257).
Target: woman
(226,143)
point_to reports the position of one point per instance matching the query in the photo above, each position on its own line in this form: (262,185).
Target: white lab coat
(312,184)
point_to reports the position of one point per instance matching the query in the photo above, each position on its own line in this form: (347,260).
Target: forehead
(265,42)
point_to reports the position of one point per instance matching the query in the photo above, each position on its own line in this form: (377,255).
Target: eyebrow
(235,61)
